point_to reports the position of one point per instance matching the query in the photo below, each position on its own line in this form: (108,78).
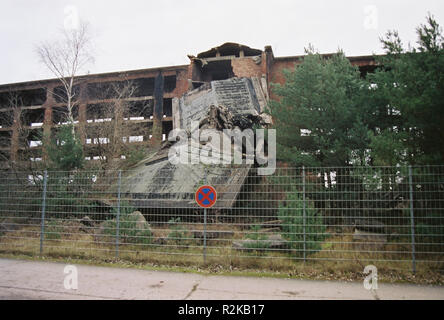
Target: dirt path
(20,279)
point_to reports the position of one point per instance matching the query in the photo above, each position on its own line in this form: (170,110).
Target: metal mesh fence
(357,215)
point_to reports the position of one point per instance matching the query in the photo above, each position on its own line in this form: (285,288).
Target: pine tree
(319,119)
(410,85)
(65,152)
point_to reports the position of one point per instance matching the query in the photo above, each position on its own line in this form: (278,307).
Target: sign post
(206,197)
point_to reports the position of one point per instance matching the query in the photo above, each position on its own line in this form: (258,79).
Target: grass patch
(338,259)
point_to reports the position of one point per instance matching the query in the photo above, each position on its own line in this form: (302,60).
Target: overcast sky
(143,34)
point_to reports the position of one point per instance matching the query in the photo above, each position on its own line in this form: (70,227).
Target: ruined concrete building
(173,94)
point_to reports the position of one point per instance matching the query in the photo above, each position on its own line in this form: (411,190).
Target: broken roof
(230,49)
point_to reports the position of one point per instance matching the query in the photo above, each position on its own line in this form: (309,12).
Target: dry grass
(338,259)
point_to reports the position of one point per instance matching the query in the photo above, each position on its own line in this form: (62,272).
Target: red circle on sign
(206,196)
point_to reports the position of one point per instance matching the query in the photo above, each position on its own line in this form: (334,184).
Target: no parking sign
(206,196)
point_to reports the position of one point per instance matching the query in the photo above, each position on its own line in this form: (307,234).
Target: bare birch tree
(66,58)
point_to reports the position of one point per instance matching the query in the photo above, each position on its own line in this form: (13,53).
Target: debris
(370,225)
(199,234)
(8,226)
(369,236)
(86,224)
(369,241)
(274,241)
(265,119)
(220,117)
(160,240)
(87,221)
(271,223)
(267,230)
(221,104)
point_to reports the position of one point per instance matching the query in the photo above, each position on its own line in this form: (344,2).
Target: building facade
(37,107)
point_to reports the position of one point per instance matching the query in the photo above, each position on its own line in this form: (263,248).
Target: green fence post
(412,220)
(304,211)
(42,230)
(118,214)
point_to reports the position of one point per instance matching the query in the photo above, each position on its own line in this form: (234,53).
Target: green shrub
(255,233)
(134,155)
(65,150)
(260,244)
(178,234)
(425,233)
(257,245)
(291,214)
(429,228)
(53,230)
(129,231)
(68,194)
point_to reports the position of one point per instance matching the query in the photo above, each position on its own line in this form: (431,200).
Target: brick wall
(276,74)
(278,66)
(246,67)
(181,83)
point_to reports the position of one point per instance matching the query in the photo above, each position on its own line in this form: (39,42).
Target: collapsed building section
(219,105)
(239,95)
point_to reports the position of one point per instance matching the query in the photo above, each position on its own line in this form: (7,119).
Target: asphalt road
(20,279)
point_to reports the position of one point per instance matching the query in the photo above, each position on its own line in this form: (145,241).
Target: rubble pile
(220,117)
(235,103)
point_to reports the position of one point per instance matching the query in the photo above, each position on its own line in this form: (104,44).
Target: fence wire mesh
(359,215)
